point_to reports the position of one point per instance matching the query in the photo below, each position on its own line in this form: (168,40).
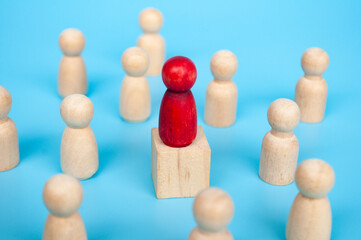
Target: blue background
(268,37)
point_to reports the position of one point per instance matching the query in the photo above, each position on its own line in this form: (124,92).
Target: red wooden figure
(178,111)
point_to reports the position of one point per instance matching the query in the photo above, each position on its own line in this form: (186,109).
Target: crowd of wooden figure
(180,154)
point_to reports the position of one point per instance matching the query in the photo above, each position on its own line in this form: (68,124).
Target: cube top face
(180,172)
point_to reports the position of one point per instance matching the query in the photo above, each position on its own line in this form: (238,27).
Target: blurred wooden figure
(213,210)
(72,73)
(79,152)
(9,143)
(310,215)
(221,99)
(311,89)
(151,20)
(62,196)
(135,102)
(279,152)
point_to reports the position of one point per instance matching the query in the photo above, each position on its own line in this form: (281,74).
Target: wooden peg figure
(62,196)
(310,215)
(151,20)
(9,143)
(213,210)
(178,111)
(72,73)
(79,152)
(311,89)
(221,99)
(135,102)
(279,152)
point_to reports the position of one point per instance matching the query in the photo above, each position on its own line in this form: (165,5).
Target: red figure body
(178,112)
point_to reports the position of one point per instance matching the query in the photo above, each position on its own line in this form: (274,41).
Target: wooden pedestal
(180,172)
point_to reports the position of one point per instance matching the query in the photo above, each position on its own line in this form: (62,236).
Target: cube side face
(194,171)
(180,172)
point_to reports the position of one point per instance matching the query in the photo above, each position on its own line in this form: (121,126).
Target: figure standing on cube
(180,161)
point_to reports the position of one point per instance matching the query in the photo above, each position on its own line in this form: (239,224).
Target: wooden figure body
(178,112)
(279,152)
(135,101)
(213,210)
(310,215)
(62,196)
(311,89)
(221,98)
(151,21)
(79,152)
(9,143)
(181,156)
(72,73)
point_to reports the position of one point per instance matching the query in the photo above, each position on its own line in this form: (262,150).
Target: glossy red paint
(178,111)
(178,119)
(179,74)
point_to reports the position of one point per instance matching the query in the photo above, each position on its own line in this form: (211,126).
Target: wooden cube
(180,172)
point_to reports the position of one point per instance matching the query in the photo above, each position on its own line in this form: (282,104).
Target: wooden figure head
(315,178)
(150,20)
(77,110)
(62,195)
(135,61)
(314,61)
(224,65)
(71,42)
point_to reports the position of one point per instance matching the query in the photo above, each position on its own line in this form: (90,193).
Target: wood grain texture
(180,172)
(72,76)
(310,215)
(311,89)
(72,73)
(79,151)
(279,151)
(213,210)
(61,228)
(221,98)
(198,234)
(221,103)
(135,101)
(309,218)
(151,20)
(9,143)
(62,196)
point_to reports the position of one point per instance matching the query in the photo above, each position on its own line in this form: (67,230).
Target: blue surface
(268,38)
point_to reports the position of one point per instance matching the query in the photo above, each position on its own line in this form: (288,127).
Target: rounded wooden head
(315,178)
(150,20)
(71,42)
(5,102)
(213,209)
(77,110)
(179,74)
(62,195)
(283,115)
(135,61)
(314,61)
(224,65)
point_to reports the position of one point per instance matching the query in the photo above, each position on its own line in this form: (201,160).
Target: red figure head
(179,74)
